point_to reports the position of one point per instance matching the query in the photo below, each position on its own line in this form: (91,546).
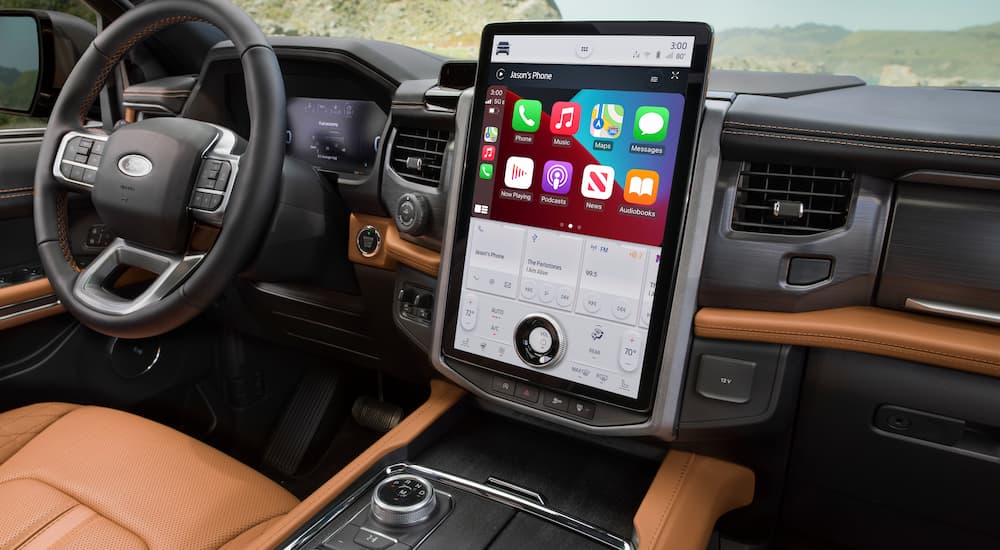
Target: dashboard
(807,193)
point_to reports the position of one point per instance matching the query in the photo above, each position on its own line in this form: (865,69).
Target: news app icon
(520,171)
(565,119)
(557,177)
(598,182)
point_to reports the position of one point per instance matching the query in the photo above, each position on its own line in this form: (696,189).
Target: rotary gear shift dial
(403,500)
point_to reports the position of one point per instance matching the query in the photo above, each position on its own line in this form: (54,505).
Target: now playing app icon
(557,177)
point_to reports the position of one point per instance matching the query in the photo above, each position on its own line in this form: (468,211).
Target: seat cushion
(90,477)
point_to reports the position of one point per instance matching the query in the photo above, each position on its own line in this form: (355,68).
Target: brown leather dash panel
(688,495)
(394,249)
(960,345)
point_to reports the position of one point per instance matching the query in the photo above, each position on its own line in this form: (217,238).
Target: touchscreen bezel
(666,277)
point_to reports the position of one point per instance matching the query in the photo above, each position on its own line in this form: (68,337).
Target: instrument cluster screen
(335,134)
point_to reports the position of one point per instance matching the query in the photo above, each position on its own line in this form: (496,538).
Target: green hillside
(449,27)
(967,57)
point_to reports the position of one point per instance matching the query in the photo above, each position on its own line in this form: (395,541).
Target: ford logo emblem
(135,166)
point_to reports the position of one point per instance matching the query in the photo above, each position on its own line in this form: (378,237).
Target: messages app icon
(606,120)
(651,124)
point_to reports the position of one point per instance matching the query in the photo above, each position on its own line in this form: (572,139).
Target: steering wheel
(152,181)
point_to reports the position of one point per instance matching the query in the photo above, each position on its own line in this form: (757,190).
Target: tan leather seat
(89,477)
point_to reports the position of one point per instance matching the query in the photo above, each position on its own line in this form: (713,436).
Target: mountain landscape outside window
(887,42)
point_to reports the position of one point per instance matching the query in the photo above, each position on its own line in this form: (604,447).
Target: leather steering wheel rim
(250,203)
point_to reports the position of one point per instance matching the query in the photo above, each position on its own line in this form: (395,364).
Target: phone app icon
(527,115)
(486,171)
(490,134)
(519,172)
(641,186)
(651,124)
(598,182)
(565,119)
(606,120)
(557,177)
(489,152)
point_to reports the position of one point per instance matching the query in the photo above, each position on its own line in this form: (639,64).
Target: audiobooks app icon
(520,171)
(641,186)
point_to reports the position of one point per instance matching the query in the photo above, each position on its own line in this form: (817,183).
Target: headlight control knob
(413,214)
(403,500)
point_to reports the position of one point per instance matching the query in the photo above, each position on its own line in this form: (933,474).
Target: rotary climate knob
(539,341)
(403,500)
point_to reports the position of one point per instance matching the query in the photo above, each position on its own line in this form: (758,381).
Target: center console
(562,281)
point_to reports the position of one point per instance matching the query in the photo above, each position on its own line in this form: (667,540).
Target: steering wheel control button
(369,241)
(222,181)
(403,500)
(725,379)
(539,341)
(214,175)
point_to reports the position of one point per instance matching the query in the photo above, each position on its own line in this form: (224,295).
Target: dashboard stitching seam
(852,144)
(673,496)
(985,362)
(855,134)
(13,189)
(4,196)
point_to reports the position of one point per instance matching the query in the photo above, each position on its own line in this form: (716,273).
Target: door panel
(25,295)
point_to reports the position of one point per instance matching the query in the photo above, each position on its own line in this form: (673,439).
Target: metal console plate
(513,500)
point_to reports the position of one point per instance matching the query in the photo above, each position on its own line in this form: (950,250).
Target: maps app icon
(606,120)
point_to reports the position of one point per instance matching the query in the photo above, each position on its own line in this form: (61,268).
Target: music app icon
(565,119)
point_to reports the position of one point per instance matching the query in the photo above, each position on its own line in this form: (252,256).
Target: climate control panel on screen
(594,297)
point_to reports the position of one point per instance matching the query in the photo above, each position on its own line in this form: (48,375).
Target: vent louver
(418,154)
(783,199)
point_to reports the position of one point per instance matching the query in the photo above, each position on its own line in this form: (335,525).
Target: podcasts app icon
(557,177)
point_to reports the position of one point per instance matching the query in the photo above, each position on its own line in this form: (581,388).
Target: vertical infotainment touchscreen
(576,161)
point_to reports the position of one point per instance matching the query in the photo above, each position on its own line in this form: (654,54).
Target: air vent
(418,154)
(782,199)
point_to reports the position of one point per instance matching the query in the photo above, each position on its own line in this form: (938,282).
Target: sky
(851,14)
(19,49)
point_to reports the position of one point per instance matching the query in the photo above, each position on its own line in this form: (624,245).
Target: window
(71,7)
